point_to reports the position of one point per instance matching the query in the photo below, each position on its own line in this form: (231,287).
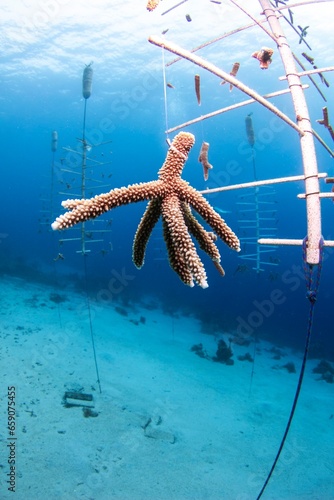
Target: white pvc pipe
(310,72)
(306,140)
(175,49)
(228,108)
(288,242)
(266,182)
(321,195)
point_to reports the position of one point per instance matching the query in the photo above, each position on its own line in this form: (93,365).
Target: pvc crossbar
(321,195)
(245,185)
(244,210)
(78,239)
(226,109)
(257,218)
(252,240)
(217,39)
(300,4)
(309,72)
(242,28)
(199,61)
(289,242)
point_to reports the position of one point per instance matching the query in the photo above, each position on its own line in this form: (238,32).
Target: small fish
(274,260)
(241,268)
(273,276)
(264,56)
(60,256)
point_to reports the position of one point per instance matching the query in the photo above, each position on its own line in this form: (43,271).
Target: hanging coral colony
(170,197)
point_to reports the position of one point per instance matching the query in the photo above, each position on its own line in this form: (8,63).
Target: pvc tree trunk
(306,140)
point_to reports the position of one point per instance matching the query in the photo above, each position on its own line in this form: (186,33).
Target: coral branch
(144,230)
(169,197)
(172,47)
(152,4)
(203,158)
(198,89)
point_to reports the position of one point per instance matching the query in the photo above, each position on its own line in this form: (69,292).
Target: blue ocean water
(127,108)
(46,51)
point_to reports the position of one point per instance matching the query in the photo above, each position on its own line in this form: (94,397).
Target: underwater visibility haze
(118,379)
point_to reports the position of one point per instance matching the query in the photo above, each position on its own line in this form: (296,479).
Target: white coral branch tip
(55,225)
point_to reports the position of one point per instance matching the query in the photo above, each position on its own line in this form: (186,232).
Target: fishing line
(58,302)
(253,367)
(91,325)
(311,295)
(165,88)
(86,92)
(54,146)
(84,123)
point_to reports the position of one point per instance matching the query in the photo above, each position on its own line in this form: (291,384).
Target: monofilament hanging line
(86,92)
(91,325)
(253,366)
(84,124)
(312,286)
(165,88)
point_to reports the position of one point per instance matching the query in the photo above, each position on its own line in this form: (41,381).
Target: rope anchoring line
(312,285)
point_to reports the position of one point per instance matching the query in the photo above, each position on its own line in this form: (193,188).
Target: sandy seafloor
(170,424)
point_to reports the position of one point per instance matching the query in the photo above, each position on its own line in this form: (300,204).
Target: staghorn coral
(152,4)
(203,158)
(172,198)
(198,88)
(264,57)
